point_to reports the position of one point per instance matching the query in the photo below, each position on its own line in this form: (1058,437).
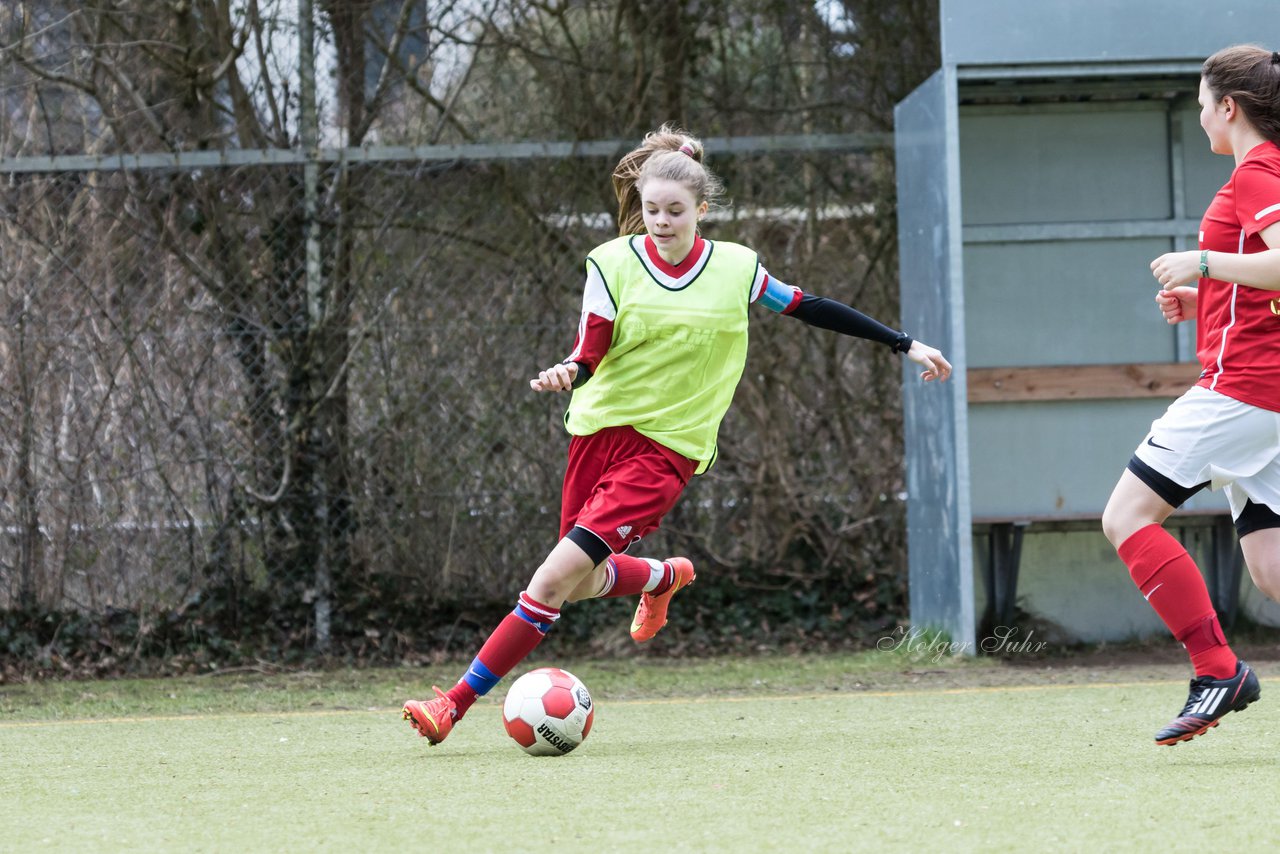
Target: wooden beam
(1081,382)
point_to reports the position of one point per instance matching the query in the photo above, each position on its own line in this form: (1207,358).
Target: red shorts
(619,484)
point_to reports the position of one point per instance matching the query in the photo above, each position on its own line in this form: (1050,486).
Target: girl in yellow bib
(661,345)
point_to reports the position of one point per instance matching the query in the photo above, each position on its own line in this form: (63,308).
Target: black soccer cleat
(1208,701)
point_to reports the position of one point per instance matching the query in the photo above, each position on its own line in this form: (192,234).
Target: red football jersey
(1238,327)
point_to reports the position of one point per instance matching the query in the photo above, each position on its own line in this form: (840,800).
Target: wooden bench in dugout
(1003,534)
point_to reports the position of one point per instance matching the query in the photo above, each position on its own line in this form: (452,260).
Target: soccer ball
(548,712)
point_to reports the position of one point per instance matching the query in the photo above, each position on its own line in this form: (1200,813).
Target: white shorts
(1207,437)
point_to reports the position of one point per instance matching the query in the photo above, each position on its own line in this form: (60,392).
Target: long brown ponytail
(668,153)
(1250,76)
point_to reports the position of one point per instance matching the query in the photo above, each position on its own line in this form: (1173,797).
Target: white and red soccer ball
(548,712)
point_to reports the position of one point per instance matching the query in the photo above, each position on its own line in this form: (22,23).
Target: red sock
(509,644)
(631,576)
(1172,584)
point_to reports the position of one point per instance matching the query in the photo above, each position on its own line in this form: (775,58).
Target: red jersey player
(1225,431)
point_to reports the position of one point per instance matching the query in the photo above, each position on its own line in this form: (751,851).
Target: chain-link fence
(285,391)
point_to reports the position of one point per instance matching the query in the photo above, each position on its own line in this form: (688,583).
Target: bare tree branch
(384,77)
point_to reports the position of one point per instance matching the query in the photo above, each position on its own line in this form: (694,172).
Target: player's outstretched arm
(847,320)
(936,366)
(555,378)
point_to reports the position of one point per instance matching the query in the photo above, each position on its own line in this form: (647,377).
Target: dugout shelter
(1040,169)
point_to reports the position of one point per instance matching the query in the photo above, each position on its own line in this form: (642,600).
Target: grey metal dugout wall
(938,512)
(1040,169)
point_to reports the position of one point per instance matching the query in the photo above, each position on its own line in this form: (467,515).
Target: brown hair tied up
(669,153)
(1250,76)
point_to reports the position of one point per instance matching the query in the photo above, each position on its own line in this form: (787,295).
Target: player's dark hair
(1250,76)
(668,153)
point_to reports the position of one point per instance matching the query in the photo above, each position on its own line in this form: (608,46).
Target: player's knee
(1266,576)
(1270,585)
(1117,525)
(589,588)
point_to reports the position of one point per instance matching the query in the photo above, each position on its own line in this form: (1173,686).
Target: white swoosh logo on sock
(1153,590)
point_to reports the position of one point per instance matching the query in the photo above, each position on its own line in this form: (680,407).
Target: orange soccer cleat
(651,613)
(433,719)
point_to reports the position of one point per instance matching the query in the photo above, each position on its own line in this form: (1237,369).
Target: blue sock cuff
(532,620)
(480,678)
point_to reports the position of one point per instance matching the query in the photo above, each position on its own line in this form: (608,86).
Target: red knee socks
(631,576)
(1171,582)
(511,642)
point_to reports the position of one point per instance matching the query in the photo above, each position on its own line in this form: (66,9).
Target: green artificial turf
(805,754)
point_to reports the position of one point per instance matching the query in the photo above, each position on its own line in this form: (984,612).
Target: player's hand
(555,378)
(1176,268)
(1177,304)
(935,364)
